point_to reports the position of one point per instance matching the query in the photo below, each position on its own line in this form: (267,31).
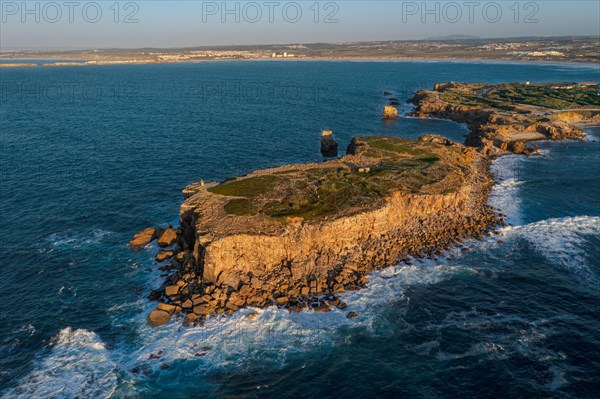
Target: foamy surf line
(231,341)
(71,240)
(505,193)
(561,241)
(79,365)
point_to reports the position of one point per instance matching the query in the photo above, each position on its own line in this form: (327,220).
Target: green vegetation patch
(505,96)
(379,146)
(240,207)
(554,96)
(329,191)
(250,187)
(398,164)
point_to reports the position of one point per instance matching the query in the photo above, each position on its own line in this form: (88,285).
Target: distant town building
(282,55)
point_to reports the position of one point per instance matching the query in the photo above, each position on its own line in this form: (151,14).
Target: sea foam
(71,240)
(561,241)
(78,366)
(505,193)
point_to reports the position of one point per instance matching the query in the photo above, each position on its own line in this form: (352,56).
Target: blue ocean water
(90,155)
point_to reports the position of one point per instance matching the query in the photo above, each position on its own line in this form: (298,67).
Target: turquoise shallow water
(90,155)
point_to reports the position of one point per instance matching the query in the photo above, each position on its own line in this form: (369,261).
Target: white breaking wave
(504,194)
(560,240)
(78,366)
(592,134)
(232,341)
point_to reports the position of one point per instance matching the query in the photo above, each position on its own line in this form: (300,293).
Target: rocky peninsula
(504,118)
(298,235)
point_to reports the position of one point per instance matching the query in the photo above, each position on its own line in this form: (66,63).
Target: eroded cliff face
(494,130)
(304,251)
(228,257)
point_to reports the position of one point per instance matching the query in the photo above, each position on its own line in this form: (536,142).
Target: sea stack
(390,112)
(329,147)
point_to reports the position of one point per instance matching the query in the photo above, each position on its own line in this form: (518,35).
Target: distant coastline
(77,62)
(563,50)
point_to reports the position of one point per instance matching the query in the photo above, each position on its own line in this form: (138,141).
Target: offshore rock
(390,112)
(329,147)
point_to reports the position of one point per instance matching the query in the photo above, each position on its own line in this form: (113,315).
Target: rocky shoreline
(500,127)
(220,262)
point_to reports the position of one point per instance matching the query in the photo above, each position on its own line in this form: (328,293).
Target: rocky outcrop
(164,255)
(167,238)
(143,238)
(390,112)
(159,317)
(396,198)
(497,130)
(329,147)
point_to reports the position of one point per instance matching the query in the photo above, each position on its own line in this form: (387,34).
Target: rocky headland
(504,118)
(296,236)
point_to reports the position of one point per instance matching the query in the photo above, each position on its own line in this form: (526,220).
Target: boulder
(164,255)
(338,289)
(252,316)
(190,318)
(166,307)
(154,295)
(323,307)
(351,315)
(171,290)
(518,146)
(180,257)
(158,317)
(187,304)
(142,238)
(390,112)
(437,139)
(204,310)
(334,301)
(167,238)
(282,300)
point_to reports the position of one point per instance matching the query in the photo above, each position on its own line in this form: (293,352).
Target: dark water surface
(89,155)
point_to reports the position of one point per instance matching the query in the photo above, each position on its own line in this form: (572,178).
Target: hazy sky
(161,23)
